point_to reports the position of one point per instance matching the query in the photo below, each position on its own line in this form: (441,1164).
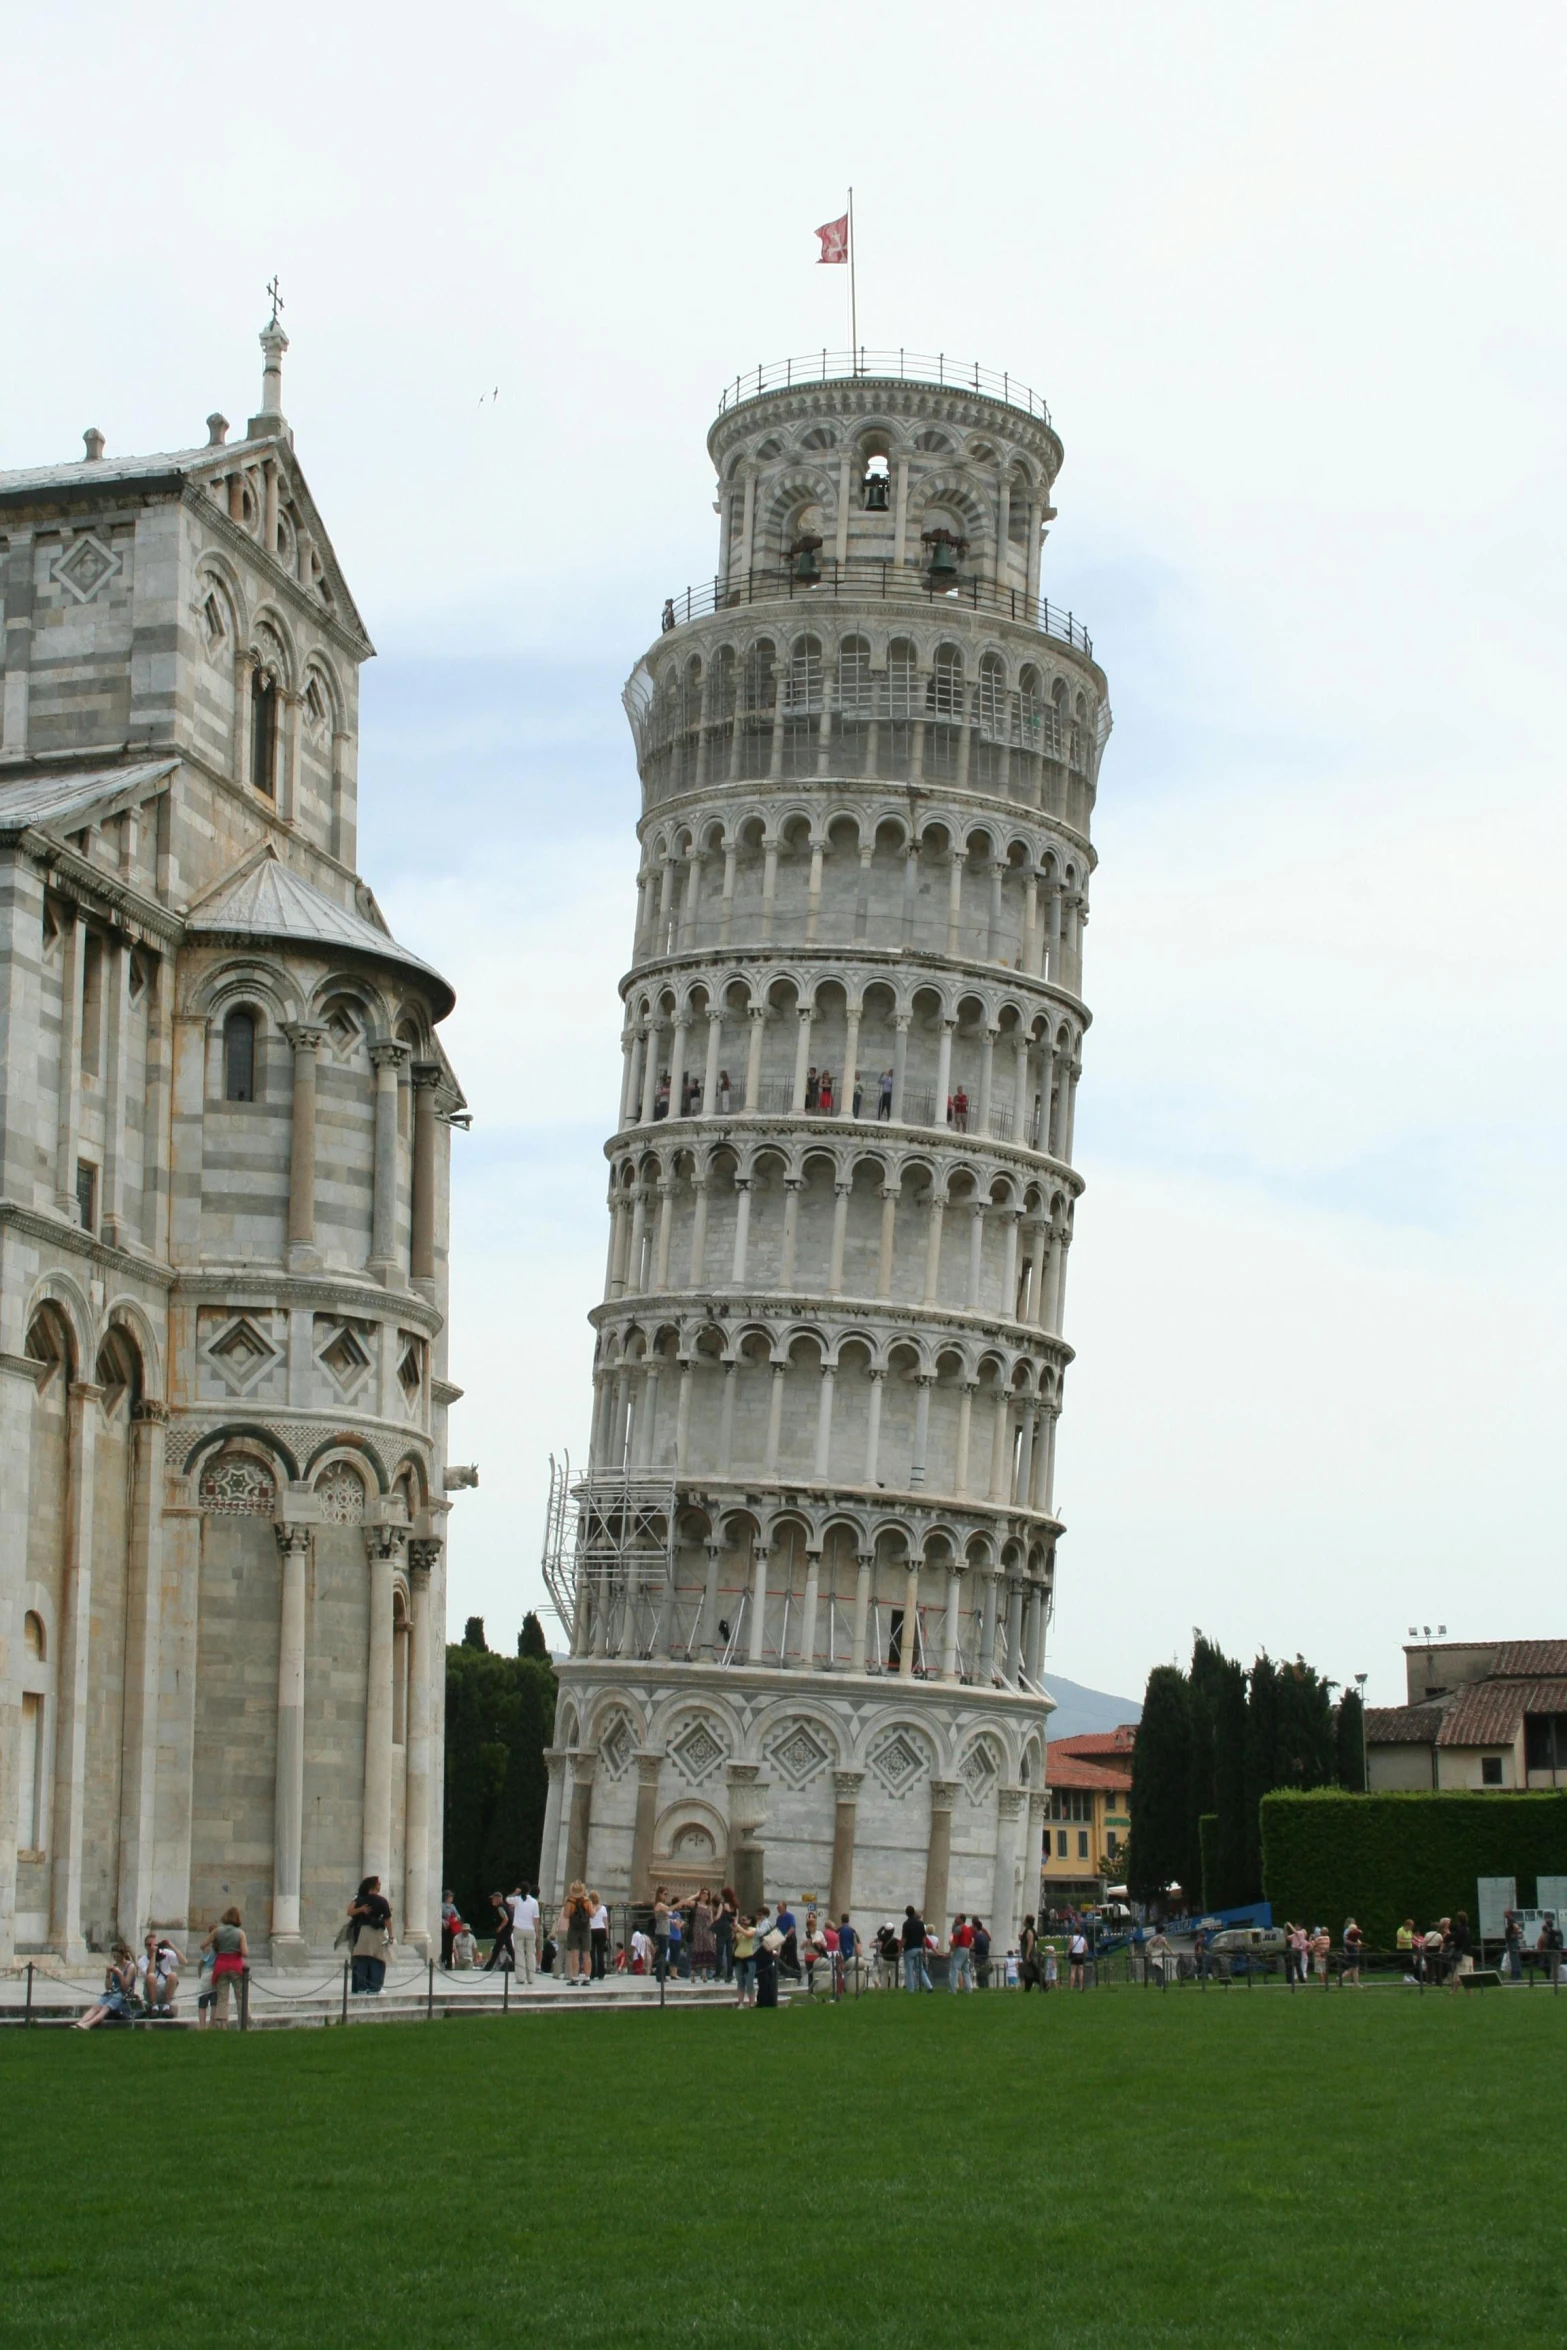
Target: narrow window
(239,1057)
(1082,1843)
(92,1003)
(86,1196)
(894,1639)
(29,1822)
(263,733)
(1490,1770)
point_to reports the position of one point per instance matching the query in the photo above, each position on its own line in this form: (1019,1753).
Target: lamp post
(1365,1765)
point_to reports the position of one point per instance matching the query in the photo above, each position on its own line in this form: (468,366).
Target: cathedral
(225,1121)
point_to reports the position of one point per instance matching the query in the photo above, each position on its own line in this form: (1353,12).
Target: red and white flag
(835,240)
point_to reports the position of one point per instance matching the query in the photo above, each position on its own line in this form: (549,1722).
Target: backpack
(981,1943)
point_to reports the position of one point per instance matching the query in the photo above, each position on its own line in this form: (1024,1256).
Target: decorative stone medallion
(696,1751)
(798,1753)
(84,566)
(898,1762)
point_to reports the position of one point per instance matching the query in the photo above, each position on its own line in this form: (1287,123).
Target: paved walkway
(314,1995)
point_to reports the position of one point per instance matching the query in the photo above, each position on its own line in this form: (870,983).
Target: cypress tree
(1161,1789)
(531,1640)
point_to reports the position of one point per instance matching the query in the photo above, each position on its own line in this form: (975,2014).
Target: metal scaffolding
(609,1557)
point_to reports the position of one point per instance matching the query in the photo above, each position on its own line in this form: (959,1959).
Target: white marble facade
(812,1572)
(224,1127)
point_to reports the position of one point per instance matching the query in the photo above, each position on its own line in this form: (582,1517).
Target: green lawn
(1142,2168)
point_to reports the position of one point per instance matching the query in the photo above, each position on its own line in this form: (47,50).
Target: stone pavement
(314,1996)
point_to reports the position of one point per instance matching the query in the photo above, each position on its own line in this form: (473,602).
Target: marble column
(306,1042)
(383,1548)
(549,1843)
(1003,1892)
(388,1059)
(909,1643)
(420,1903)
(846,1798)
(73,965)
(72,1685)
(425,1077)
(949,1642)
(288,1945)
(649,1763)
(1034,1852)
(865,1564)
(584,1763)
(747,1811)
(938,1859)
(139,1729)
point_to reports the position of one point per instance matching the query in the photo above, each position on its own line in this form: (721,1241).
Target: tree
(500,1716)
(531,1640)
(473,1634)
(1161,1788)
(1349,1741)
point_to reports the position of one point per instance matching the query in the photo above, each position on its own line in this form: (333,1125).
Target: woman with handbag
(370,1916)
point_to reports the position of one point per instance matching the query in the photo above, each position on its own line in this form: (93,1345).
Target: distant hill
(1080,1710)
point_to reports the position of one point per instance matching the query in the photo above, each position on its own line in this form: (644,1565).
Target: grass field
(893,2171)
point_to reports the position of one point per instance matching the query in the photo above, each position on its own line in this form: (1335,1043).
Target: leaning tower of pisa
(807,1575)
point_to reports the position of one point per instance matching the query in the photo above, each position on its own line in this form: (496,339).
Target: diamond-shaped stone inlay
(798,1754)
(979,1770)
(241,1355)
(85,566)
(615,1747)
(696,1750)
(898,1762)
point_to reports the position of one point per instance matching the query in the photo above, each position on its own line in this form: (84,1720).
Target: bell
(876,488)
(807,571)
(943,564)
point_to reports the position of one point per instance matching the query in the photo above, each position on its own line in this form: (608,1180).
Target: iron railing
(861,364)
(873,579)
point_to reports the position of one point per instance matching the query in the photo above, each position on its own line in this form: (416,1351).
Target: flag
(835,240)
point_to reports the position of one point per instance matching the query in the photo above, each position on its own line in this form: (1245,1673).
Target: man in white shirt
(525,1930)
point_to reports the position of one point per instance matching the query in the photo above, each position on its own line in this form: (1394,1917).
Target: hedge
(1328,1856)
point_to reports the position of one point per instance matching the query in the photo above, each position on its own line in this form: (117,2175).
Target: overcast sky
(1291,280)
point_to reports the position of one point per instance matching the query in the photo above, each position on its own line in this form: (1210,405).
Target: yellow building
(1089,1818)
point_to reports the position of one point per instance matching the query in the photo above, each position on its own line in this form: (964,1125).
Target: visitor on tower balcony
(960,1111)
(884,1095)
(661,1097)
(859,1094)
(813,1089)
(667,621)
(824,1097)
(725,1098)
(370,1915)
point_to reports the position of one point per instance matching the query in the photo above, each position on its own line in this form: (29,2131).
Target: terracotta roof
(1097,1742)
(1070,1770)
(1403,1725)
(269,900)
(1530,1658)
(1488,1713)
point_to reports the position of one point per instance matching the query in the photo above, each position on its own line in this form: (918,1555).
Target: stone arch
(243,980)
(342,1444)
(57,1301)
(126,1313)
(273,647)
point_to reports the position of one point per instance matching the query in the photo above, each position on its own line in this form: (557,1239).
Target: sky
(1291,280)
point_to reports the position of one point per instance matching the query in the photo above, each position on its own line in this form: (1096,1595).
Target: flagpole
(854,310)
